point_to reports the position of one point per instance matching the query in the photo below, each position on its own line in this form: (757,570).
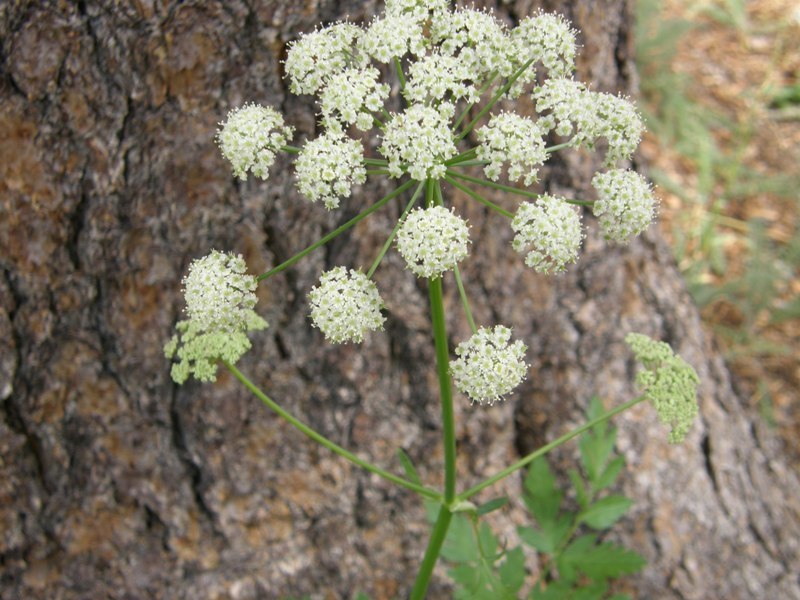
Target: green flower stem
(400,75)
(579,202)
(470,163)
(291,149)
(375,162)
(479,198)
(339,230)
(547,447)
(484,87)
(498,94)
(397,225)
(492,184)
(333,447)
(378,123)
(438,199)
(437,538)
(464,301)
(459,158)
(558,147)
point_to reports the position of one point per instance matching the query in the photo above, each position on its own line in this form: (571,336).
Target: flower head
(219,303)
(250,137)
(548,39)
(432,241)
(489,366)
(345,306)
(668,381)
(315,57)
(420,137)
(513,140)
(351,97)
(618,121)
(392,37)
(625,205)
(477,39)
(550,231)
(435,76)
(328,166)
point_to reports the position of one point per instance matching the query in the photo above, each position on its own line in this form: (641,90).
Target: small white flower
(328,167)
(315,57)
(625,205)
(550,231)
(547,39)
(489,366)
(351,97)
(432,241)
(219,294)
(420,138)
(416,10)
(250,137)
(344,307)
(513,140)
(620,123)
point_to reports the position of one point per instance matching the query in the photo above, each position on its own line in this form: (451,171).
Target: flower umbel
(250,137)
(328,166)
(625,204)
(489,366)
(668,381)
(345,306)
(550,231)
(433,240)
(219,303)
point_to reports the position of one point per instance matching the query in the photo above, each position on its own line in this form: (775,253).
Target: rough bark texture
(115,483)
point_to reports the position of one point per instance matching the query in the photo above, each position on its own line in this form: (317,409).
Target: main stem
(442,524)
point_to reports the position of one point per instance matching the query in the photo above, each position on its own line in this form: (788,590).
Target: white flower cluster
(315,57)
(550,232)
(420,140)
(515,140)
(219,303)
(548,39)
(345,306)
(417,11)
(625,205)
(218,292)
(250,137)
(351,97)
(477,39)
(432,241)
(392,37)
(434,76)
(591,116)
(328,166)
(489,366)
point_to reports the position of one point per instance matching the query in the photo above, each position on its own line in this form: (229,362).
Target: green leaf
(592,591)
(609,560)
(361,596)
(492,505)
(605,512)
(408,466)
(543,499)
(556,590)
(610,473)
(573,555)
(487,541)
(596,446)
(620,597)
(580,488)
(550,536)
(512,571)
(460,545)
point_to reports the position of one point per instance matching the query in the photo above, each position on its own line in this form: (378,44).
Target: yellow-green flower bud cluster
(668,381)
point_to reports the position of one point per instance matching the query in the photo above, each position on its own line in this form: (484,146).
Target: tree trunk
(115,483)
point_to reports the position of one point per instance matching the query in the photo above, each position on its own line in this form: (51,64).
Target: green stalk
(484,87)
(464,301)
(492,184)
(339,230)
(397,225)
(400,75)
(332,446)
(479,198)
(470,163)
(466,155)
(495,98)
(546,448)
(375,162)
(291,149)
(557,147)
(438,536)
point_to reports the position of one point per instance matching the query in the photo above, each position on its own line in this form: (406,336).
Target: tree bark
(115,483)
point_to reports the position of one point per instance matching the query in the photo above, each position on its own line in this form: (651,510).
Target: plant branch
(397,225)
(479,198)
